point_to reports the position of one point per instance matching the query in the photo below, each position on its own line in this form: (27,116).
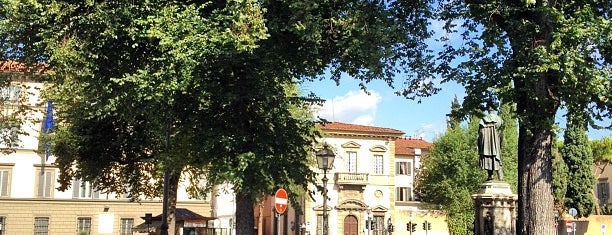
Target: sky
(382,108)
(426,119)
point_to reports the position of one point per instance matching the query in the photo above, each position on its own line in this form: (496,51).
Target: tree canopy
(160,85)
(554,53)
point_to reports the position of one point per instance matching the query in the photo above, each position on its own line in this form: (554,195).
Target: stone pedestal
(495,209)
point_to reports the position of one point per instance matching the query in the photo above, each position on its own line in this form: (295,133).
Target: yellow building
(371,183)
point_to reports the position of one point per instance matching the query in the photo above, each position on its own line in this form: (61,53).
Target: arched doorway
(350,225)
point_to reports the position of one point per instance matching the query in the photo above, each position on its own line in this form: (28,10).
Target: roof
(406,145)
(183,214)
(340,126)
(14,66)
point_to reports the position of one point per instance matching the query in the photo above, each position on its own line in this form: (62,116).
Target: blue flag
(46,129)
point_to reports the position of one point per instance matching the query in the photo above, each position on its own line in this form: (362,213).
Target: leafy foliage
(202,85)
(560,178)
(602,150)
(450,168)
(578,157)
(554,53)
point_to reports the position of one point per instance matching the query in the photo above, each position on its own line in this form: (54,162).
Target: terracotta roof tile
(406,145)
(340,126)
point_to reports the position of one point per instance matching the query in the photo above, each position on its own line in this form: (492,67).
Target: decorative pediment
(380,208)
(378,148)
(352,204)
(320,208)
(351,145)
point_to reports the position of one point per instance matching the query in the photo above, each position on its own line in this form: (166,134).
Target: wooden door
(350,225)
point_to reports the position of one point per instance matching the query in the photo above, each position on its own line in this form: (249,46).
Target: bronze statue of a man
(489,144)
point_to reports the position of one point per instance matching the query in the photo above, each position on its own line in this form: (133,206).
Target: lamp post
(325,161)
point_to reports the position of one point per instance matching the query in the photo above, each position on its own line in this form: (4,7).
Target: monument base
(495,209)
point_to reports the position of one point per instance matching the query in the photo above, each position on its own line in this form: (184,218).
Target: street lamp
(325,161)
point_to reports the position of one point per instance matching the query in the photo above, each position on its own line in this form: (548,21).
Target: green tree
(553,53)
(454,118)
(509,155)
(560,178)
(171,85)
(578,157)
(449,168)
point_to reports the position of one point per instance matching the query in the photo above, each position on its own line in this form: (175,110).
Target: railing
(352,178)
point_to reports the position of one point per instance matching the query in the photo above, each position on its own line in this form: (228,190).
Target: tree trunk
(536,201)
(245,218)
(173,181)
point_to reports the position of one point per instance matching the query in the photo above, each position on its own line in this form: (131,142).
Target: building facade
(371,186)
(30,202)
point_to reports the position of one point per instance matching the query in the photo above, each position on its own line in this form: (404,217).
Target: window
(404,194)
(84,190)
(403,168)
(44,183)
(10,94)
(319,225)
(603,192)
(126,226)
(351,161)
(379,227)
(9,135)
(5,179)
(41,225)
(2,225)
(83,225)
(378,164)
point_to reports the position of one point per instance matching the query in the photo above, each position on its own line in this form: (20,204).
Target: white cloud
(355,107)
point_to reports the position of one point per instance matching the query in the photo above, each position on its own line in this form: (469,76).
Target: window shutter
(76,186)
(4,183)
(96,193)
(606,191)
(599,191)
(48,184)
(41,182)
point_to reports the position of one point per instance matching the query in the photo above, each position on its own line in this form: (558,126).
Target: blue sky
(347,103)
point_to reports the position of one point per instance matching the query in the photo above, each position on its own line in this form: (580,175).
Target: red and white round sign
(280,201)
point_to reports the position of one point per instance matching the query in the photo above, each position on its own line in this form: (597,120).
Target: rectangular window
(9,135)
(10,94)
(44,183)
(5,179)
(603,192)
(41,225)
(83,226)
(403,168)
(319,225)
(126,226)
(84,190)
(403,194)
(351,161)
(378,164)
(379,227)
(2,225)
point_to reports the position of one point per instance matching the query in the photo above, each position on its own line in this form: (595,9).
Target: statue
(489,144)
